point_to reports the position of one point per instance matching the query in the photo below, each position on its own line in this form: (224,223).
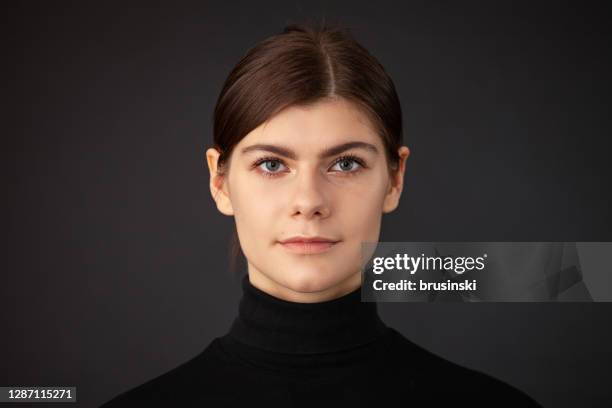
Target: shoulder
(445,381)
(181,384)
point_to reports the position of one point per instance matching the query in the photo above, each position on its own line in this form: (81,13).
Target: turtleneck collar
(278,325)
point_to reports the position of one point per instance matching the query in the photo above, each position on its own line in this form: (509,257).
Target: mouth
(306,247)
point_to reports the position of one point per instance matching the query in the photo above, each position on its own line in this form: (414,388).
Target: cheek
(359,222)
(255,212)
(362,218)
(364,198)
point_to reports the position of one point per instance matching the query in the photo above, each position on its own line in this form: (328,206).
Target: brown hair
(302,65)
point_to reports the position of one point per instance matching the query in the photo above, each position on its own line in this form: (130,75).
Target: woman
(308,155)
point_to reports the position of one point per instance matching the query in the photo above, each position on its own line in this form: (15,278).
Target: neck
(275,324)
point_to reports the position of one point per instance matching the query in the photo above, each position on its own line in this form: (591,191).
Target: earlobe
(217,184)
(392,196)
(391,201)
(224,205)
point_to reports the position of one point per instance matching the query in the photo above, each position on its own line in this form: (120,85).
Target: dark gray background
(114,260)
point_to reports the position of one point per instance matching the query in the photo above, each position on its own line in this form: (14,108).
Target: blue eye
(272,164)
(342,161)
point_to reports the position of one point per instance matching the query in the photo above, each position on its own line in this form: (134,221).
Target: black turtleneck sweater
(335,353)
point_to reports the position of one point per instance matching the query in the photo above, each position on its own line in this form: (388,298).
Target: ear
(218,185)
(396,183)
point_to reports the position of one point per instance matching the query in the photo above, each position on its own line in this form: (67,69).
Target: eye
(348,162)
(270,166)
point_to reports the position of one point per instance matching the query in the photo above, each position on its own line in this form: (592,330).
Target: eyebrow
(331,151)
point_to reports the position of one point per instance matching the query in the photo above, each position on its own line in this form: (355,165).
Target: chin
(308,281)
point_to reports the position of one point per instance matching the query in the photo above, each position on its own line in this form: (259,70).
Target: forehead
(315,126)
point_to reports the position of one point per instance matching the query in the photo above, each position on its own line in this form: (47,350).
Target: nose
(309,200)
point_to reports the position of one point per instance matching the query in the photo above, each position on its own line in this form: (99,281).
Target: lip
(301,239)
(308,245)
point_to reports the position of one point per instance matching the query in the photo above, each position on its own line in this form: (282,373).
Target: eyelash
(354,158)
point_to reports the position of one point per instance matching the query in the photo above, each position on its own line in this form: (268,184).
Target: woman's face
(290,177)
